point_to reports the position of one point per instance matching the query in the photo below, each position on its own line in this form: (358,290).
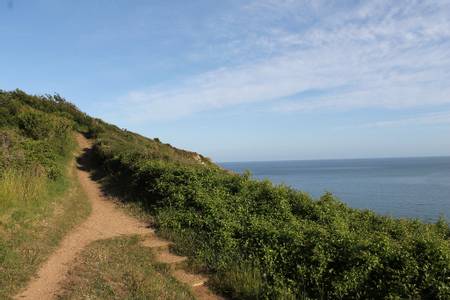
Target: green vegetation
(257,240)
(121,268)
(40,199)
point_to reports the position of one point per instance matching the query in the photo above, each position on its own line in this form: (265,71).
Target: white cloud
(436,118)
(386,54)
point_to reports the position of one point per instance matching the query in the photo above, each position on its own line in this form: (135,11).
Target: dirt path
(105,221)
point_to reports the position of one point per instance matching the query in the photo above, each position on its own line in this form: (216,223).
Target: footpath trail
(106,221)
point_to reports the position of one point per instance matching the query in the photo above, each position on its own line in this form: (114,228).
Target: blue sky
(244,80)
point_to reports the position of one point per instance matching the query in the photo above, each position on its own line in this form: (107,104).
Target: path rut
(105,221)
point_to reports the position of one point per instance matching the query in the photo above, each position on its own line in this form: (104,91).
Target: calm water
(401,187)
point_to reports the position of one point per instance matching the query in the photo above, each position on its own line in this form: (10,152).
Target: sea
(399,187)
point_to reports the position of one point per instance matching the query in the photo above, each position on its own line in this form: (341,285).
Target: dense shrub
(257,239)
(38,202)
(267,241)
(34,134)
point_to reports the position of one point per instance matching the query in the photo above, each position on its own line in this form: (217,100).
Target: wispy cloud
(388,54)
(436,118)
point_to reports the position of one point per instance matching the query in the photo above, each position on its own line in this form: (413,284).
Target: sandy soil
(105,221)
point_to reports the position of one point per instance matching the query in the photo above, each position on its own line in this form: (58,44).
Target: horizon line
(330,159)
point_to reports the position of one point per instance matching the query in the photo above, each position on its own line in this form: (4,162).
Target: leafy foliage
(258,240)
(267,241)
(31,139)
(36,144)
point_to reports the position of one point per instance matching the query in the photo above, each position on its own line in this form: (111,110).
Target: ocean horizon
(325,159)
(402,187)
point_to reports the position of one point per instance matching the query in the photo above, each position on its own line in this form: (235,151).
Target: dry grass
(35,214)
(19,189)
(121,268)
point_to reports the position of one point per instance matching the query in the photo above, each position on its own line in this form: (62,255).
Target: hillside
(40,198)
(255,239)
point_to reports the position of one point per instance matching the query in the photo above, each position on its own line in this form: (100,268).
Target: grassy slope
(40,198)
(259,240)
(30,230)
(121,268)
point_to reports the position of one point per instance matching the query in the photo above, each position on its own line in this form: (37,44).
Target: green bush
(258,240)
(267,241)
(34,134)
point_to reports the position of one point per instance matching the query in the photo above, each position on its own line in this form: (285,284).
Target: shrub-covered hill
(256,239)
(44,111)
(32,138)
(39,200)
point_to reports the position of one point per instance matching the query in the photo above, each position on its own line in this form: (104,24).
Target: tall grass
(21,189)
(257,239)
(40,199)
